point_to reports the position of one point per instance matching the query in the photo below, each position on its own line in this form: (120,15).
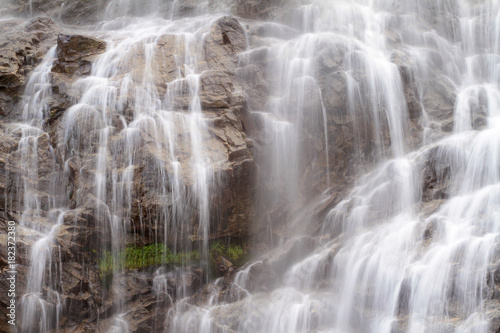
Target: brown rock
(216,89)
(224,265)
(73,52)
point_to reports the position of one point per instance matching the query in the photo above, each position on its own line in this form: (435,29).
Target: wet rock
(330,57)
(22,47)
(216,89)
(78,12)
(273,30)
(11,156)
(439,98)
(74,47)
(257,9)
(187,8)
(256,86)
(74,52)
(225,40)
(224,265)
(334,93)
(12,8)
(44,7)
(264,275)
(236,199)
(406,70)
(82,12)
(441,164)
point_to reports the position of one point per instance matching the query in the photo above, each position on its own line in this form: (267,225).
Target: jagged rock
(9,77)
(71,48)
(73,52)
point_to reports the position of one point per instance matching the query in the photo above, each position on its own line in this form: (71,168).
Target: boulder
(225,40)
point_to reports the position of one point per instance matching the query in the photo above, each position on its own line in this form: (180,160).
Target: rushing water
(391,255)
(393,264)
(157,120)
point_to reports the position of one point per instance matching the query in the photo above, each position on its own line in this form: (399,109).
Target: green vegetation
(140,257)
(134,257)
(233,252)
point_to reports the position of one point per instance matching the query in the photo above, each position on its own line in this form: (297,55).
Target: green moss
(217,248)
(133,258)
(233,252)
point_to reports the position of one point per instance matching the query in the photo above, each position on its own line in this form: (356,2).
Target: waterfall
(368,132)
(119,126)
(390,262)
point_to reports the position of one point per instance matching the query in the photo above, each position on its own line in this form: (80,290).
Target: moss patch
(233,252)
(134,257)
(140,257)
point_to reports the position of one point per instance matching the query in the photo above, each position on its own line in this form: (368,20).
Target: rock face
(81,12)
(253,9)
(69,12)
(70,133)
(23,47)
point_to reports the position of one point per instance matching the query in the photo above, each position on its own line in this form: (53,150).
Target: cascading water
(378,154)
(40,315)
(166,129)
(390,262)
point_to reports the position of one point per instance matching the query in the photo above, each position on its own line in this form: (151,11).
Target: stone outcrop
(73,53)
